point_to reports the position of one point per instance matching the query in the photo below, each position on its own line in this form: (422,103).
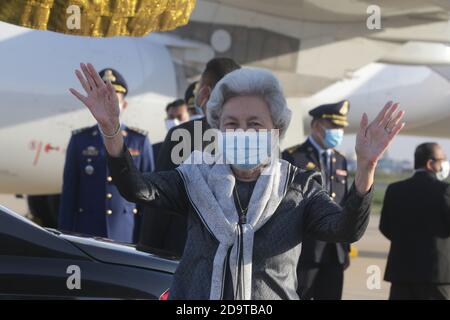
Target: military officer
(321,266)
(90,203)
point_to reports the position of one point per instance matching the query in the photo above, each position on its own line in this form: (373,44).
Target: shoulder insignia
(310,166)
(77,131)
(138,131)
(291,150)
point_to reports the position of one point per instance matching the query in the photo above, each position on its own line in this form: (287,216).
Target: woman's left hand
(373,140)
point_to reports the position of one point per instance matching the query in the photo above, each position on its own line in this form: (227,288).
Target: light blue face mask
(246,150)
(333,137)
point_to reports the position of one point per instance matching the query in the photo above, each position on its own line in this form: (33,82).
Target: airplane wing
(313,42)
(331,10)
(314,45)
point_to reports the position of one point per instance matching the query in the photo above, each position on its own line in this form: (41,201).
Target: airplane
(321,50)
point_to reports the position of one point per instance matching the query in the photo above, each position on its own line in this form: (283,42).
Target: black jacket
(305,156)
(416,219)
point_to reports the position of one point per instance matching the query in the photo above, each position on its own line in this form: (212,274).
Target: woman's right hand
(101,99)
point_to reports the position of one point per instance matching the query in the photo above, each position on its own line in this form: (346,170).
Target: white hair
(250,82)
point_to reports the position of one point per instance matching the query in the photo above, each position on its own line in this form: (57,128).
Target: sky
(401,149)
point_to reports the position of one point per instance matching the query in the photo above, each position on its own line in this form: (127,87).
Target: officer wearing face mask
(177,113)
(416,219)
(90,202)
(321,266)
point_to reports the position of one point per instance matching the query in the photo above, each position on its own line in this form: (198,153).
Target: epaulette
(304,178)
(291,150)
(77,131)
(138,131)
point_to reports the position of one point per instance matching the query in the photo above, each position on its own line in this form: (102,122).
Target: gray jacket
(306,209)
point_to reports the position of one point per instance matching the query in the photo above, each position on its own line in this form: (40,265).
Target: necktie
(326,169)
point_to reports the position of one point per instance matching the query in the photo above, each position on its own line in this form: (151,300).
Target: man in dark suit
(90,203)
(416,219)
(321,266)
(165,231)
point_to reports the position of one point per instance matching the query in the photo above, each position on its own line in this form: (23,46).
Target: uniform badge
(310,166)
(90,152)
(344,108)
(134,152)
(340,172)
(109,76)
(89,170)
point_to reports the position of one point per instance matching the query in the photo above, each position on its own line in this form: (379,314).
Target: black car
(39,263)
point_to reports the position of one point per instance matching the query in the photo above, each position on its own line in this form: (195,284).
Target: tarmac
(368,266)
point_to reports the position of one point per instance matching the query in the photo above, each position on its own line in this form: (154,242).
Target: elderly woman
(245,227)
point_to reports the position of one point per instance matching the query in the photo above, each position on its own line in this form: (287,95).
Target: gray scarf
(210,191)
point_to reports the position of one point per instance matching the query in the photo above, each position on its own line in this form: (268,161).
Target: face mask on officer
(445,170)
(170,123)
(332,137)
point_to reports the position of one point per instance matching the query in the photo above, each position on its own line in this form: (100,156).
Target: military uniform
(90,202)
(321,264)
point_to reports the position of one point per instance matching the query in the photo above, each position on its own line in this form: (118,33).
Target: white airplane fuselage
(38,113)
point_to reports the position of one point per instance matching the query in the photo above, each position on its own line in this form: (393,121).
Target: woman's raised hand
(373,139)
(100,99)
